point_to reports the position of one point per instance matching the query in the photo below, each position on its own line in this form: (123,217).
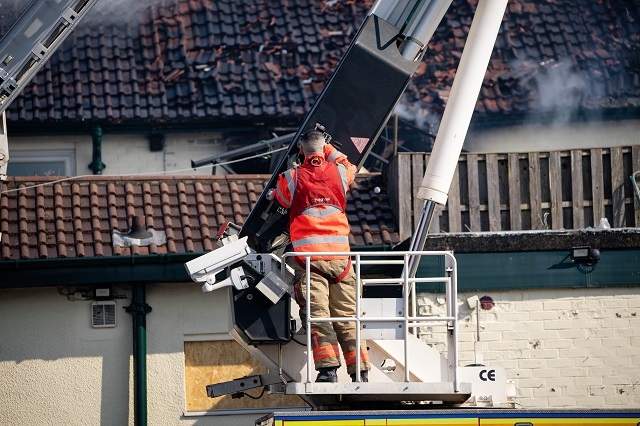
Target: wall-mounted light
(102,293)
(585,255)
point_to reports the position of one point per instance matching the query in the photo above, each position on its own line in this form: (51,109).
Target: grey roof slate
(246,60)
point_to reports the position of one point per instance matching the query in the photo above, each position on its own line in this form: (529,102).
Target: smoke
(113,12)
(561,90)
(421,118)
(417,115)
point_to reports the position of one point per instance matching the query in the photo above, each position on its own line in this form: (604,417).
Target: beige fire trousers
(331,299)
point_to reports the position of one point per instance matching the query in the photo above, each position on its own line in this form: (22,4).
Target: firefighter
(315,194)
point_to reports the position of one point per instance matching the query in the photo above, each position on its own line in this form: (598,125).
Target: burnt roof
(48,218)
(243,62)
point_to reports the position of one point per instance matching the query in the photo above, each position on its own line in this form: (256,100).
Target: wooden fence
(523,191)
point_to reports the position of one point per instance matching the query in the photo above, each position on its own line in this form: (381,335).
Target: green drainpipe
(139,309)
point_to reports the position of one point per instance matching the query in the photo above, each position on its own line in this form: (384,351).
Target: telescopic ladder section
(33,38)
(4,155)
(4,150)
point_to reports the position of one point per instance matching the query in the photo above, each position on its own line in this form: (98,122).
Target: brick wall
(562,348)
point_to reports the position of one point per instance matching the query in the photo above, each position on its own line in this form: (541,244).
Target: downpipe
(139,309)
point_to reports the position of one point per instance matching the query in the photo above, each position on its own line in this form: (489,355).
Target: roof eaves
(89,271)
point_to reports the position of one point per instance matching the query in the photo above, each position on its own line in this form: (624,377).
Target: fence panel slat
(474,193)
(535,193)
(418,166)
(577,189)
(555,184)
(617,187)
(515,207)
(635,167)
(405,200)
(392,186)
(493,192)
(453,204)
(597,185)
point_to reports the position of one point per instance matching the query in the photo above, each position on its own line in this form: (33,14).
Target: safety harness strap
(332,280)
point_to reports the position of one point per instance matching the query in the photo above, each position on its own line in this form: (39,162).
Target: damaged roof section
(192,60)
(240,60)
(550,57)
(41,218)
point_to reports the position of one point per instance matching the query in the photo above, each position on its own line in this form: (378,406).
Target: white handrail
(410,321)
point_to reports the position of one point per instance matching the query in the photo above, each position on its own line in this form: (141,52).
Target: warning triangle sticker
(360,143)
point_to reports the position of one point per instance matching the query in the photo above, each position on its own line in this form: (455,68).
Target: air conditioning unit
(103,314)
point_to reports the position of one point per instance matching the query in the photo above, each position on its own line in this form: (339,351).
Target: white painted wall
(562,348)
(130,154)
(55,368)
(535,138)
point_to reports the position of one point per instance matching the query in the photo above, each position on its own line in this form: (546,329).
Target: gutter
(90,271)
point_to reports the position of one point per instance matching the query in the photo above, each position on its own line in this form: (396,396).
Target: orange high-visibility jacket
(315,194)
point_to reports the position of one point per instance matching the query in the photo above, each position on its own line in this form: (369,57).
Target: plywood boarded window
(209,362)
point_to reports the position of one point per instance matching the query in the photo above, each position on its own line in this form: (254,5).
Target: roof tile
(156,59)
(76,218)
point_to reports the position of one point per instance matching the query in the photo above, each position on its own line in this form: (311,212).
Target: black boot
(327,375)
(364,376)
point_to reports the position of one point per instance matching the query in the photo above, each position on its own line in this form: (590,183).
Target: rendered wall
(562,348)
(554,136)
(130,154)
(181,312)
(55,368)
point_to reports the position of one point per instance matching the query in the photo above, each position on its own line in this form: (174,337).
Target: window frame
(66,156)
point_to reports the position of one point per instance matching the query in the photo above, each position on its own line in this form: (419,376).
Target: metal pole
(420,235)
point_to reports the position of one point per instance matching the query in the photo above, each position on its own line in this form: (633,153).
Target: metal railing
(408,320)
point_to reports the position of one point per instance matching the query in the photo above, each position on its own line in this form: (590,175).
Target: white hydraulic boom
(33,38)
